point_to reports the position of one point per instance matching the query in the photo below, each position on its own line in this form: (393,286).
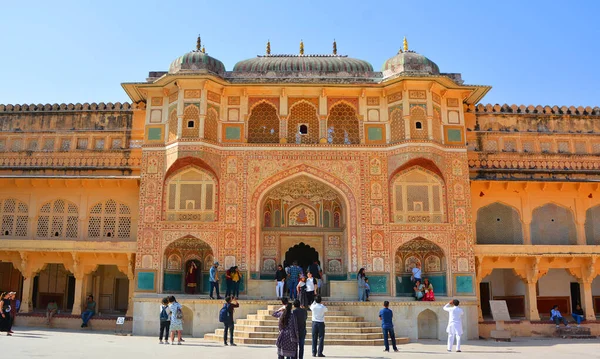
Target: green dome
(410,61)
(197,60)
(303,63)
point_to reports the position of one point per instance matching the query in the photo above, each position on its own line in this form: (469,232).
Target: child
(165,322)
(367,288)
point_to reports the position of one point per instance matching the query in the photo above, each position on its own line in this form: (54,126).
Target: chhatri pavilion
(301,157)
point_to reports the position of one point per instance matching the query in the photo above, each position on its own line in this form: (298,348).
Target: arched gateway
(186,264)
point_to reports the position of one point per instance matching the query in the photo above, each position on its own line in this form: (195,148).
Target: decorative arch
(58,219)
(498,223)
(552,224)
(436,126)
(14,215)
(427,323)
(109,220)
(176,256)
(342,124)
(172,125)
(191,195)
(263,123)
(191,122)
(417,196)
(397,130)
(344,191)
(433,265)
(303,113)
(211,125)
(592,225)
(419,129)
(302,215)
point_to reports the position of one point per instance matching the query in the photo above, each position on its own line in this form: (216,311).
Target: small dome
(197,60)
(303,64)
(409,61)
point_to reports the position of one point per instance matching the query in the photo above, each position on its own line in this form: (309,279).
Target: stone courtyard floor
(40,343)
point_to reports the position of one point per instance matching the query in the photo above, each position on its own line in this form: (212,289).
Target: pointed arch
(110,219)
(211,125)
(58,219)
(191,121)
(433,261)
(173,125)
(417,195)
(14,215)
(397,127)
(498,223)
(419,129)
(553,224)
(342,124)
(191,195)
(592,225)
(263,123)
(303,113)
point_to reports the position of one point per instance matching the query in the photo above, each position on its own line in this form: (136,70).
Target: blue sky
(530,52)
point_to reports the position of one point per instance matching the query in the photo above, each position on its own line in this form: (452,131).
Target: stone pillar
(526,231)
(131,279)
(201,126)
(580,227)
(531,301)
(587,302)
(26,304)
(78,295)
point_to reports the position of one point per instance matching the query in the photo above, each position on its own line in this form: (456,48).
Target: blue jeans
(293,291)
(361,294)
(392,336)
(301,340)
(236,289)
(214,285)
(86,316)
(229,290)
(578,318)
(318,332)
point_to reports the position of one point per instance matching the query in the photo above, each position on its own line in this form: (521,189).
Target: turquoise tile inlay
(145,281)
(454,135)
(378,284)
(173,282)
(464,284)
(375,133)
(233,133)
(404,287)
(155,133)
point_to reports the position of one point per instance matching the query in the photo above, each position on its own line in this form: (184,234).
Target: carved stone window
(417,196)
(15,220)
(109,220)
(82,143)
(48,145)
(191,196)
(58,219)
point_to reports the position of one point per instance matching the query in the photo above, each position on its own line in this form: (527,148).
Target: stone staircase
(341,328)
(574,333)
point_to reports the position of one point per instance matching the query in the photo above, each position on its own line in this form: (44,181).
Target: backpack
(163,314)
(179,313)
(224,313)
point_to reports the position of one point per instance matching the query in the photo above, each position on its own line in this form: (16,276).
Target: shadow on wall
(427,322)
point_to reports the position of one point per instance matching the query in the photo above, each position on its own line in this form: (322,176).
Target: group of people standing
(233,278)
(301,285)
(171,321)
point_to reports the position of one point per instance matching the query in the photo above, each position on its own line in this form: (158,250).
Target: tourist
(228,323)
(287,340)
(280,277)
(90,310)
(229,282)
(5,308)
(360,277)
(416,273)
(301,293)
(295,272)
(316,272)
(419,290)
(387,325)
(288,281)
(318,326)
(454,328)
(176,313)
(300,315)
(214,280)
(578,315)
(557,318)
(191,278)
(367,289)
(51,309)
(236,278)
(15,304)
(428,291)
(311,288)
(165,321)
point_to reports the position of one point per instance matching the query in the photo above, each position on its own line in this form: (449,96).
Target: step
(329,313)
(269,329)
(562,331)
(275,322)
(345,342)
(273,335)
(328,319)
(334,308)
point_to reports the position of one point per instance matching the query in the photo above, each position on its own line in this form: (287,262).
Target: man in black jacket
(231,304)
(280,277)
(300,315)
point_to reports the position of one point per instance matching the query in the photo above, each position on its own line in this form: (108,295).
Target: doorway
(193,276)
(303,254)
(575,295)
(485,297)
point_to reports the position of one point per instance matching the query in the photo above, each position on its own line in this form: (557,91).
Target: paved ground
(39,343)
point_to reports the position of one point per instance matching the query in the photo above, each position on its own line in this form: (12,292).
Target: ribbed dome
(197,60)
(303,63)
(410,61)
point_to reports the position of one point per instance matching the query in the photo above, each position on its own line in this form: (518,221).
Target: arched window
(303,124)
(342,125)
(15,220)
(397,126)
(553,225)
(263,124)
(109,220)
(58,219)
(172,126)
(211,125)
(418,120)
(417,196)
(326,216)
(191,196)
(191,116)
(592,226)
(498,223)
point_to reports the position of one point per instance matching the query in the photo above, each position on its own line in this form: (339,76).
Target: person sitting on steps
(578,315)
(557,318)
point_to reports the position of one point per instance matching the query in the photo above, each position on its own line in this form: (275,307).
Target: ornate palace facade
(302,155)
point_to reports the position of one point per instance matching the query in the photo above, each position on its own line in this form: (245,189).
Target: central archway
(178,275)
(302,253)
(433,266)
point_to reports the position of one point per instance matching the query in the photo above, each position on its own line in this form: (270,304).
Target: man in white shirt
(318,326)
(416,273)
(454,328)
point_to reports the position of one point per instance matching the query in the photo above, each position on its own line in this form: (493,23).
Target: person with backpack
(226,317)
(176,316)
(165,322)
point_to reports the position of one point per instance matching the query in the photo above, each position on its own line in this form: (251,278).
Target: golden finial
(301,47)
(198,44)
(405,44)
(203,49)
(334,47)
(268,47)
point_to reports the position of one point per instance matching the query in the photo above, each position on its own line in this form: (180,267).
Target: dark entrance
(303,254)
(575,295)
(485,297)
(197,278)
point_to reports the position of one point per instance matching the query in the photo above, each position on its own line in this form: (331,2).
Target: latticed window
(528,146)
(82,143)
(173,126)
(342,125)
(211,125)
(48,144)
(32,145)
(418,121)
(15,218)
(109,220)
(263,124)
(303,114)
(510,145)
(397,126)
(17,145)
(65,144)
(417,196)
(99,144)
(563,147)
(2,144)
(436,126)
(58,219)
(580,147)
(191,196)
(191,116)
(117,143)
(490,146)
